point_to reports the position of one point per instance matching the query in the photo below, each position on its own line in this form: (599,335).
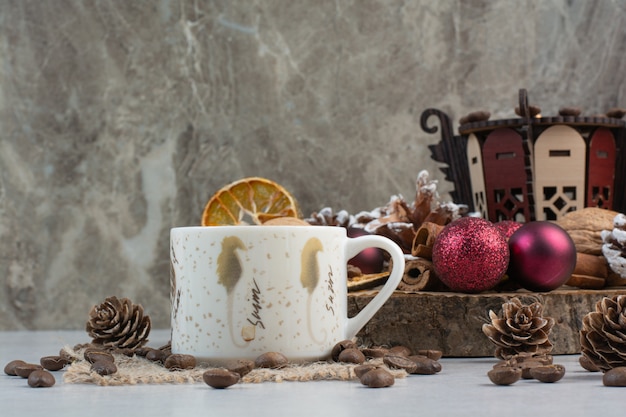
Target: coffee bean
(425,365)
(240,366)
(124,351)
(220,378)
(377,378)
(431,353)
(93,356)
(504,375)
(9,368)
(104,367)
(143,351)
(53,363)
(400,362)
(340,347)
(615,377)
(351,355)
(548,373)
(177,362)
(375,352)
(41,379)
(400,351)
(361,370)
(587,364)
(25,369)
(156,355)
(274,360)
(527,366)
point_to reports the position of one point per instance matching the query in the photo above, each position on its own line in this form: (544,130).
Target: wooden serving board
(452,322)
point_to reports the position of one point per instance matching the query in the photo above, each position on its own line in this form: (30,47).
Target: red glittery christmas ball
(470,255)
(543,256)
(507,227)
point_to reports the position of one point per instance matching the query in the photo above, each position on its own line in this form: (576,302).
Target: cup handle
(353,247)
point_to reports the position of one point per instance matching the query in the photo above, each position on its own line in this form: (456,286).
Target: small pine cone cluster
(521,329)
(118,323)
(603,334)
(328,217)
(614,245)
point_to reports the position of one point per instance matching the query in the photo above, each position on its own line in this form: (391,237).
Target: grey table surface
(461,388)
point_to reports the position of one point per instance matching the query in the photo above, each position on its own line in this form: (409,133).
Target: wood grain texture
(452,322)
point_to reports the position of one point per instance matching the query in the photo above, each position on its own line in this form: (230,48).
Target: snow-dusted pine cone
(603,335)
(520,329)
(614,245)
(118,323)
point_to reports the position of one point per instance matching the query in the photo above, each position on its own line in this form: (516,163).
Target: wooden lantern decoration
(505,177)
(560,153)
(477,177)
(600,172)
(533,167)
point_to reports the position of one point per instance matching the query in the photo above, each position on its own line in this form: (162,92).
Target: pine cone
(603,334)
(614,245)
(522,329)
(118,323)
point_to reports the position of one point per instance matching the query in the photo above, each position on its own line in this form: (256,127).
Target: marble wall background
(118,119)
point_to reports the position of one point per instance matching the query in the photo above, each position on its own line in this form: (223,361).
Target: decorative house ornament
(534,167)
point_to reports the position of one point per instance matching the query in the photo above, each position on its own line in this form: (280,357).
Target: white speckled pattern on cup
(240,291)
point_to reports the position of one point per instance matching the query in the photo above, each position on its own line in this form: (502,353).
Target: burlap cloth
(138,370)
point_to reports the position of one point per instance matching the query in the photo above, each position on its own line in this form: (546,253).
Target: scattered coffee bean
(361,370)
(400,351)
(240,366)
(400,362)
(177,362)
(53,363)
(143,351)
(351,355)
(93,356)
(25,369)
(274,360)
(587,364)
(341,346)
(527,366)
(425,365)
(377,378)
(104,367)
(9,368)
(431,353)
(548,373)
(220,378)
(156,355)
(615,377)
(504,375)
(375,352)
(125,351)
(41,379)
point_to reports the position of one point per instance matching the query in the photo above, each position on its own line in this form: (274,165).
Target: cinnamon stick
(419,275)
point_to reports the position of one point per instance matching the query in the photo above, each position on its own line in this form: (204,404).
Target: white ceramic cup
(240,291)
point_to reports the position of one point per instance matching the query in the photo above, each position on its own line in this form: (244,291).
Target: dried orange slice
(251,200)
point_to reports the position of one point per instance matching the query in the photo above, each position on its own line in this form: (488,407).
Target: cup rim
(261,227)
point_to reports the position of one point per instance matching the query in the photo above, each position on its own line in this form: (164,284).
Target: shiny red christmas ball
(470,255)
(543,256)
(370,260)
(507,227)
